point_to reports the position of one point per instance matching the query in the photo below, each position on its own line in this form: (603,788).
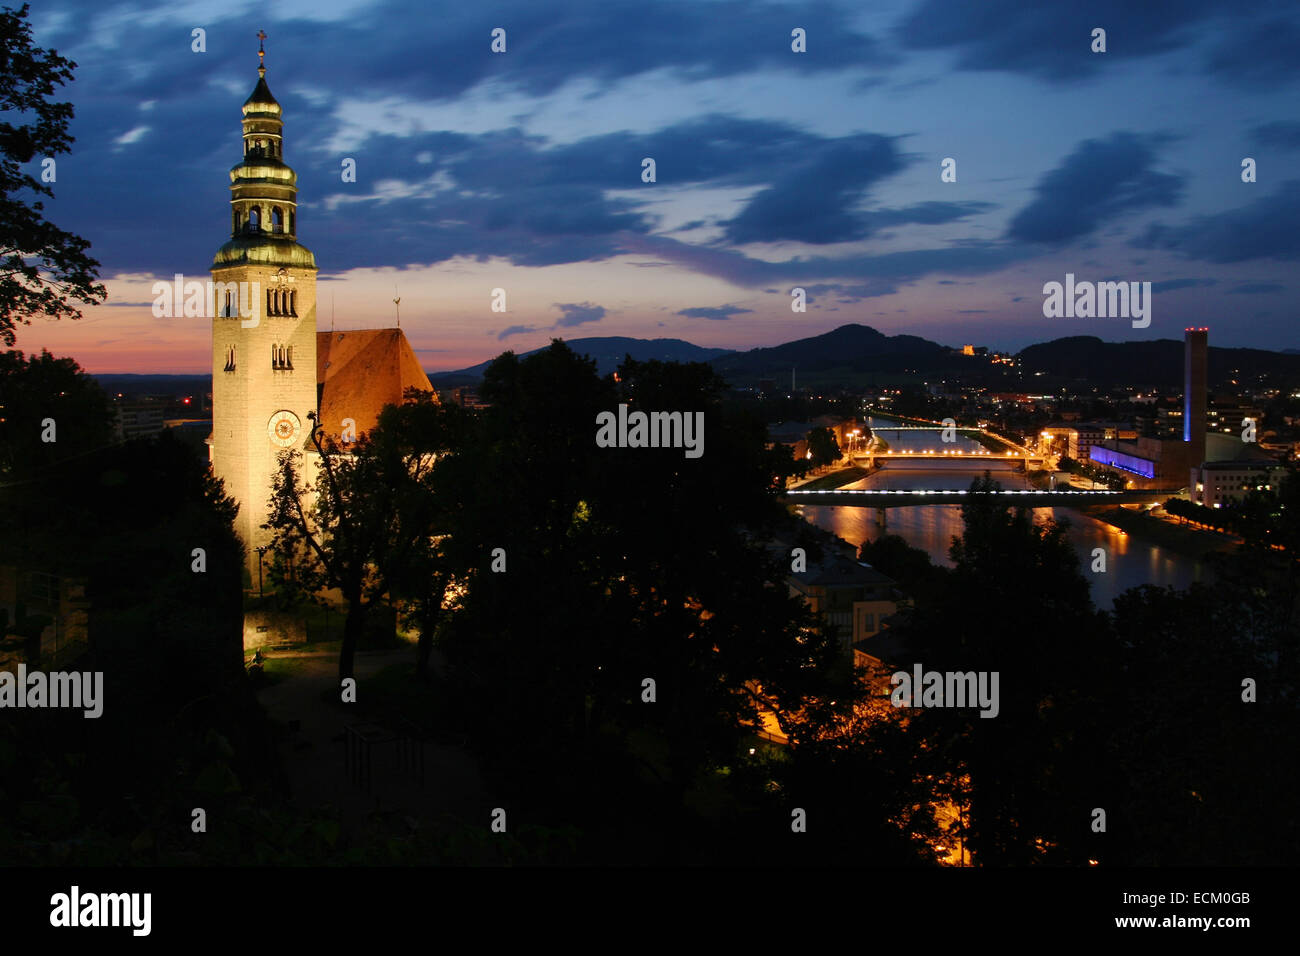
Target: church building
(270,364)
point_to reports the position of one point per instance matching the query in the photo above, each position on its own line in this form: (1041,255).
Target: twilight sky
(522,170)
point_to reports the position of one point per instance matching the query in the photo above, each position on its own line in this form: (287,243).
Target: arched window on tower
(230,359)
(234,221)
(270,309)
(254,219)
(277,220)
(293,304)
(229,303)
(292,224)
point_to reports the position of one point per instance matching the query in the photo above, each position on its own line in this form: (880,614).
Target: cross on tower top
(261,53)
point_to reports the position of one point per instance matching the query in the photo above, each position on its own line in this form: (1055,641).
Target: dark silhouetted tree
(825,450)
(43,269)
(44,397)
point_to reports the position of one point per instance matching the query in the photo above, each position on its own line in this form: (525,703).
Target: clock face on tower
(283,428)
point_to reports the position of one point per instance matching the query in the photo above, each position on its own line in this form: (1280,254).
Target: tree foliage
(43,397)
(44,270)
(823,447)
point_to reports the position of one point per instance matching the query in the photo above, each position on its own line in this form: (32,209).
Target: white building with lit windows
(1220,483)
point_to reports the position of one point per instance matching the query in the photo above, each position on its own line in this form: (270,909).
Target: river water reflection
(1129,562)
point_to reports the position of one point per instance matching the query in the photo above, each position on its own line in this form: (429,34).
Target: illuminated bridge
(1031,497)
(929,458)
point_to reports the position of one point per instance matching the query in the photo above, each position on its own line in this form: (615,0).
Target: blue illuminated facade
(1144,467)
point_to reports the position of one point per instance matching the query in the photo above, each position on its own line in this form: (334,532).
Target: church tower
(264,326)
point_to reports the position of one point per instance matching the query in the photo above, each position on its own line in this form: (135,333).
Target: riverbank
(836,479)
(1193,542)
(992,443)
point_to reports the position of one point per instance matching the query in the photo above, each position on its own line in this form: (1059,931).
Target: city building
(272,370)
(851,595)
(1216,484)
(1229,419)
(1147,462)
(1210,459)
(138,419)
(467,397)
(1076,440)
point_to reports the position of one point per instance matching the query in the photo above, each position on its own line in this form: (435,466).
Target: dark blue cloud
(1169,285)
(716,149)
(1278,135)
(958,258)
(511,195)
(1096,184)
(927,213)
(547,45)
(1051,40)
(816,198)
(717,314)
(851,292)
(159,203)
(515,330)
(1253,45)
(1258,55)
(814,201)
(1263,229)
(578,313)
(1257,288)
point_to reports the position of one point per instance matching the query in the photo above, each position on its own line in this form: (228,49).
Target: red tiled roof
(358,373)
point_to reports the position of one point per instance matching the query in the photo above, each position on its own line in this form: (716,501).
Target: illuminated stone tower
(264,325)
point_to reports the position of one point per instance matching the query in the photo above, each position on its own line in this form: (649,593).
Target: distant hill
(848,355)
(1158,362)
(608,351)
(129,384)
(858,355)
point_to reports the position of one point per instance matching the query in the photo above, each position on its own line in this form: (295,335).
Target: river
(1129,562)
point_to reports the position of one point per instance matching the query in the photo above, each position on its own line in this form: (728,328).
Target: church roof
(263,249)
(261,100)
(359,372)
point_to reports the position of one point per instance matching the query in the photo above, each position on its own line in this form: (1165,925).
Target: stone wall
(273,627)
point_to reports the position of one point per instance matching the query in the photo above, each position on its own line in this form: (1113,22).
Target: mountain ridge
(856,354)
